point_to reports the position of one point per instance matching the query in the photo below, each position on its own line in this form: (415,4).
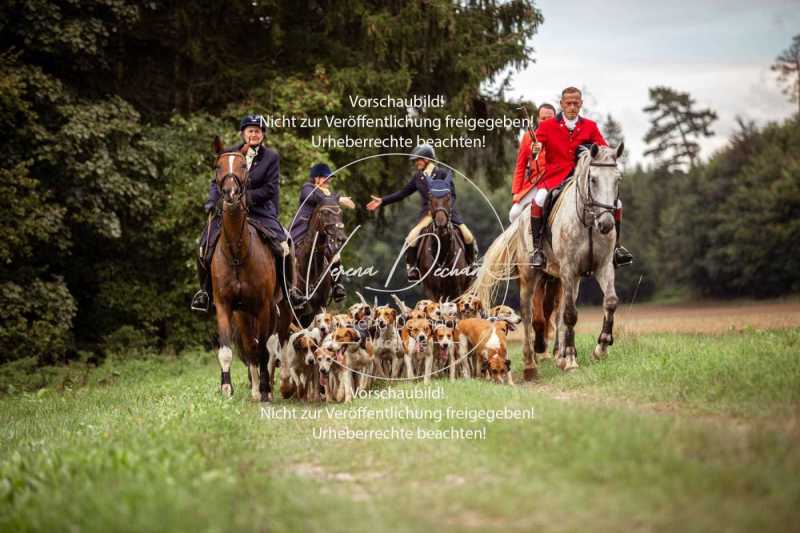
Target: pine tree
(612,131)
(787,65)
(676,127)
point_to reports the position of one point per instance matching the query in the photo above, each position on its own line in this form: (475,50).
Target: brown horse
(244,280)
(442,263)
(316,252)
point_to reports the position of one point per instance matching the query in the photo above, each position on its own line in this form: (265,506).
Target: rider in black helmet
(423,157)
(263,190)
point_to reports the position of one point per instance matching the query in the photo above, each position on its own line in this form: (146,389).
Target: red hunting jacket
(561,146)
(520,186)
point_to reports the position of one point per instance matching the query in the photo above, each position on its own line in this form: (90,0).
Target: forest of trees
(108,109)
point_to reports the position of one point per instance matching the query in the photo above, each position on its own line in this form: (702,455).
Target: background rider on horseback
(263,190)
(562,137)
(314,192)
(423,156)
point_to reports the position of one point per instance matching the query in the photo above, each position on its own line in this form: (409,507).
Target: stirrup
(338,292)
(296,298)
(538,259)
(200,301)
(622,257)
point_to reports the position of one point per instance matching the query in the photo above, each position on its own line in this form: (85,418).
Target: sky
(719,51)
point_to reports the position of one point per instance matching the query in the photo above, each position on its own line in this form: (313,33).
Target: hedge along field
(671,432)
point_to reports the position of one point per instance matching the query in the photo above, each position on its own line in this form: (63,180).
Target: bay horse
(244,281)
(316,253)
(581,244)
(442,264)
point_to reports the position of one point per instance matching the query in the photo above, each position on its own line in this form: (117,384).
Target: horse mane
(584,159)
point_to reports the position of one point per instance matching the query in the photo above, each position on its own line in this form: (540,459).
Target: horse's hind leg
(567,356)
(539,321)
(225,353)
(605,277)
(526,290)
(552,290)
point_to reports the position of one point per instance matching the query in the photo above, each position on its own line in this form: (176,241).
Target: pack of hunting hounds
(339,354)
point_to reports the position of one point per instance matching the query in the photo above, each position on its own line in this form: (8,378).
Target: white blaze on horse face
(230,163)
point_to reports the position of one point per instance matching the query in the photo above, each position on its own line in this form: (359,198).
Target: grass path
(670,433)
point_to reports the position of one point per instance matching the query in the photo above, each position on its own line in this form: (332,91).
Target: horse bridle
(241,184)
(590,205)
(435,210)
(331,240)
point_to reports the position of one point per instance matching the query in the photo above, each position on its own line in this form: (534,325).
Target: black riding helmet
(423,151)
(253,120)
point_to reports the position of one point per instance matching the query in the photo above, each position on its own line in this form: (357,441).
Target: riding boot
(338,291)
(296,297)
(201,301)
(537,258)
(412,271)
(622,256)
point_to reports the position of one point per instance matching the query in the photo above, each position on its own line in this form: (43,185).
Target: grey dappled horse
(582,243)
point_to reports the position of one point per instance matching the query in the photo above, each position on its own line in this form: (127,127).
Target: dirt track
(704,317)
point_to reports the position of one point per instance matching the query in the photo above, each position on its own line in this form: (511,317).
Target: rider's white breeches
(541,196)
(520,206)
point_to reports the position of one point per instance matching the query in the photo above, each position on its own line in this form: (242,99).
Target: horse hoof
(561,363)
(599,353)
(265,397)
(542,356)
(227,390)
(530,374)
(572,363)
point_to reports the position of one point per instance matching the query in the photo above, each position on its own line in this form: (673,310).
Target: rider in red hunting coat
(561,138)
(527,173)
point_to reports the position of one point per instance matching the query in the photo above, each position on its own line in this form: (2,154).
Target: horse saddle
(428,241)
(550,204)
(268,237)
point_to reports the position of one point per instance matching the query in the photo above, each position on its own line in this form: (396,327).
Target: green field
(672,432)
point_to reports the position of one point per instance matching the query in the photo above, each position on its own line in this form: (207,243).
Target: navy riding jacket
(418,183)
(263,189)
(310,198)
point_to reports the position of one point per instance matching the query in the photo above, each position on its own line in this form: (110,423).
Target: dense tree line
(108,108)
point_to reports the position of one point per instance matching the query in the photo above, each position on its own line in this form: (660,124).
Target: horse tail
(500,262)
